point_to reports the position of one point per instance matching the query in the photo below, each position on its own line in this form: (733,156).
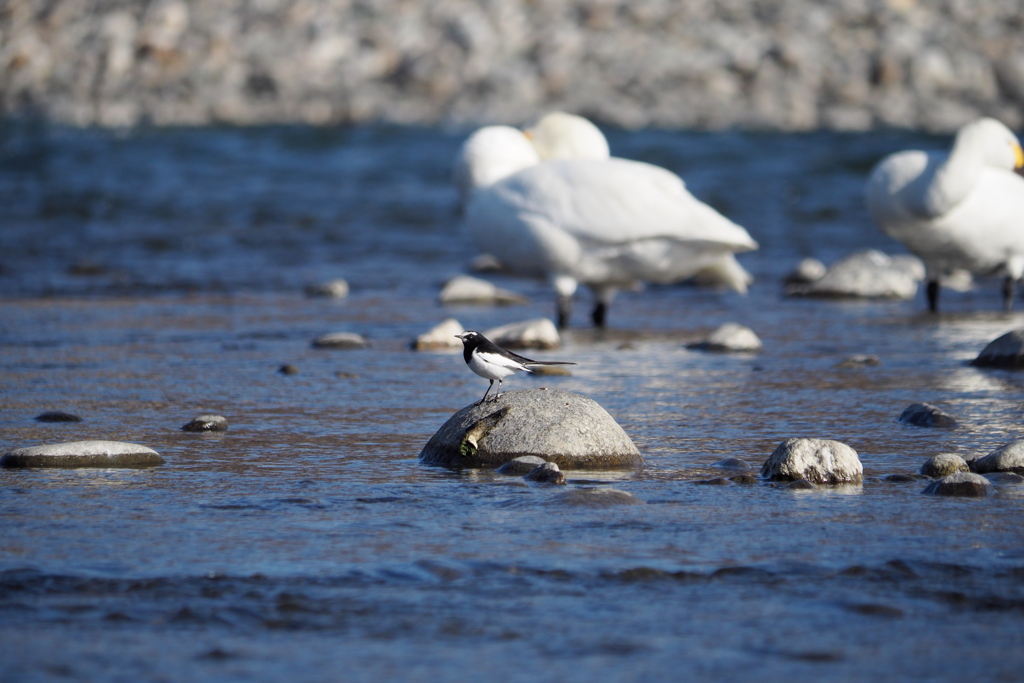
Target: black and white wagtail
(492,362)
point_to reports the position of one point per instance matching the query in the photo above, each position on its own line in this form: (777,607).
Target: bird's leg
(564,310)
(933,295)
(600,314)
(1009,287)
(498,395)
(487,392)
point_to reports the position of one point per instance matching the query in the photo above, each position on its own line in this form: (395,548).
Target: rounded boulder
(83,454)
(1006,458)
(819,461)
(568,429)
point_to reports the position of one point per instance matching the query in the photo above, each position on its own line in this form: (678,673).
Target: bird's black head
(470,338)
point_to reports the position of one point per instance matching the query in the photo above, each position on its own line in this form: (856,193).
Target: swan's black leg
(600,314)
(933,296)
(564,311)
(1009,288)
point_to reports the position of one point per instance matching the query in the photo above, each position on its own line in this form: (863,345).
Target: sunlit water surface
(151,277)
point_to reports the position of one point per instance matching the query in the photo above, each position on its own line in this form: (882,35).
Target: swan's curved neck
(954,178)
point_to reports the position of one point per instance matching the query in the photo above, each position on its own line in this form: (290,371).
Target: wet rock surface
(819,461)
(538,333)
(57,416)
(332,289)
(82,454)
(568,429)
(944,464)
(792,66)
(1006,351)
(965,484)
(464,289)
(596,497)
(548,473)
(1006,458)
(730,338)
(340,340)
(521,466)
(927,415)
(206,423)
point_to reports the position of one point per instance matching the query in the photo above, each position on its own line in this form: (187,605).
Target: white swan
(609,224)
(958,210)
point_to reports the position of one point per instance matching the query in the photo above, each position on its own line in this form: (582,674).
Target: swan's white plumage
(559,135)
(607,223)
(958,210)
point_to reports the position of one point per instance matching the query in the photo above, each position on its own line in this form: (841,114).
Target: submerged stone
(83,454)
(730,338)
(332,289)
(558,426)
(1005,352)
(959,484)
(944,464)
(1007,458)
(717,481)
(206,423)
(548,473)
(597,498)
(927,415)
(521,466)
(340,340)
(733,464)
(820,461)
(464,289)
(57,416)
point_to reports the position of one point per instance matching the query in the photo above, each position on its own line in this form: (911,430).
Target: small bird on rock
(492,362)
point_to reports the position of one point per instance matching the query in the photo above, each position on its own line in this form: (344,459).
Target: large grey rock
(943,465)
(867,274)
(465,289)
(567,429)
(1005,352)
(959,484)
(927,415)
(1006,458)
(83,454)
(819,461)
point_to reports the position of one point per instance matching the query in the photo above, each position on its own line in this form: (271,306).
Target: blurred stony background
(772,64)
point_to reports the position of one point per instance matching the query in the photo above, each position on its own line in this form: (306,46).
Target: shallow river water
(146,278)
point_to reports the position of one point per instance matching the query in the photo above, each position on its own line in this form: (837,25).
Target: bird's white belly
(499,369)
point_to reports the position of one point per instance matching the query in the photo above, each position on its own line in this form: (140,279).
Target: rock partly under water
(206,423)
(1006,458)
(959,484)
(868,274)
(57,416)
(567,429)
(537,333)
(464,289)
(596,497)
(730,338)
(819,461)
(548,473)
(340,340)
(927,415)
(521,466)
(943,465)
(83,454)
(1005,352)
(441,336)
